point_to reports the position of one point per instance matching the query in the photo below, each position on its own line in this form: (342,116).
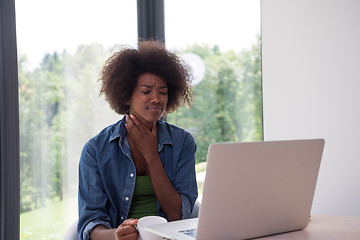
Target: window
(221,44)
(62,46)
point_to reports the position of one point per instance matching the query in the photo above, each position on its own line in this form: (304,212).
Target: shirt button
(131,174)
(127,199)
(122,218)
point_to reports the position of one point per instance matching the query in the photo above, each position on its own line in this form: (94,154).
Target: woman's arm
(145,142)
(91,193)
(92,203)
(169,199)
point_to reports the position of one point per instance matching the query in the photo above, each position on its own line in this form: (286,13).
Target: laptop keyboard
(189,232)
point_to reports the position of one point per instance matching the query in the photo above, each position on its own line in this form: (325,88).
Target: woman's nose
(155,97)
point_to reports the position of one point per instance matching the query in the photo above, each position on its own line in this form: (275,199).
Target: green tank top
(144,201)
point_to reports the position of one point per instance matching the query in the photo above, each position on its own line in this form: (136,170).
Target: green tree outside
(227,102)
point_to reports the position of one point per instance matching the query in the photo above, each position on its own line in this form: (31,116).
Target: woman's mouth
(155,108)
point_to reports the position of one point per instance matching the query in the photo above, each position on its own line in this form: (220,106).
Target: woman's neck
(147,124)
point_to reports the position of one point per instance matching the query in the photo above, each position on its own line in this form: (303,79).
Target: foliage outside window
(227,102)
(59,111)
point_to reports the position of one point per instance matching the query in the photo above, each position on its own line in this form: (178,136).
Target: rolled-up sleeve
(186,207)
(90,226)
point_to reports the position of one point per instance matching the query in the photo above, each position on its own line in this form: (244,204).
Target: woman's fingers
(135,122)
(127,230)
(139,124)
(144,140)
(131,124)
(154,130)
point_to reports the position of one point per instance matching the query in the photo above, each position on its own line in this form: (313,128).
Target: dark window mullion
(9,125)
(151,20)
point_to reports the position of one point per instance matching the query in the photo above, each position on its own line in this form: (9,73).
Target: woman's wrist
(154,162)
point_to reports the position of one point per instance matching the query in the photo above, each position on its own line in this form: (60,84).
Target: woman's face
(149,98)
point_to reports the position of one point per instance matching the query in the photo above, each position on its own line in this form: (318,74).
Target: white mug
(148,221)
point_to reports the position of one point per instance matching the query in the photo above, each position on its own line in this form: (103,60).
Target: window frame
(9,125)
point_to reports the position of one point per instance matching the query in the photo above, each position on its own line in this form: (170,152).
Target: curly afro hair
(122,70)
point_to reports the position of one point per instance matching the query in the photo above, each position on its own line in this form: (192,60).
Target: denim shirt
(107,174)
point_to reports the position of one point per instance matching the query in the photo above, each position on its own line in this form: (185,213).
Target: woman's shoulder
(108,133)
(172,128)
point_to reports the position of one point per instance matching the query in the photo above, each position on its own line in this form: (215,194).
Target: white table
(324,227)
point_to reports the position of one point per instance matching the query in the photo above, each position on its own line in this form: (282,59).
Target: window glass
(62,46)
(220,41)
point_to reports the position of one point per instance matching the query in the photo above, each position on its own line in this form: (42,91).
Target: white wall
(311,87)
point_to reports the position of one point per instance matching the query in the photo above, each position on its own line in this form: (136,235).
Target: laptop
(252,190)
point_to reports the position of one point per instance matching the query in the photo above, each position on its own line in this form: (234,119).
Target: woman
(140,165)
